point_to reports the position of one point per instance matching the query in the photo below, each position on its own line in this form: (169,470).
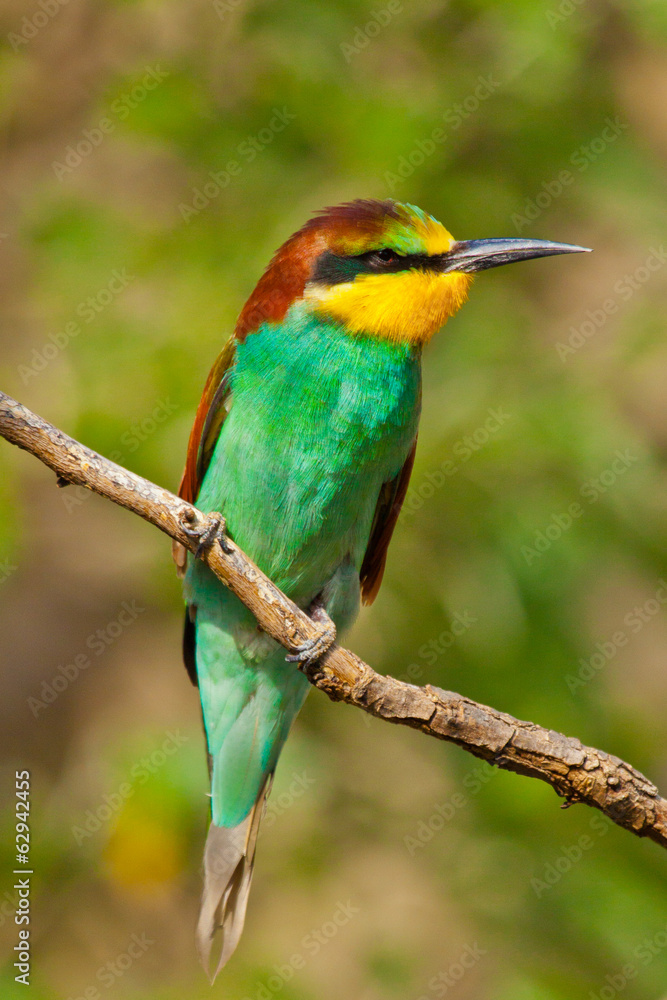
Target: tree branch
(576,772)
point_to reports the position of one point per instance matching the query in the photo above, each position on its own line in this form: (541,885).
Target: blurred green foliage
(115,117)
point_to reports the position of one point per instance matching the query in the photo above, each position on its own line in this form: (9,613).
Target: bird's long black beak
(480,255)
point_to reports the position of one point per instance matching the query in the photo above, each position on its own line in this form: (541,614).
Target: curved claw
(312,650)
(213,529)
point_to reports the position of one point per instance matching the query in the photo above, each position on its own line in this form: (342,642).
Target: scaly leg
(309,652)
(213,529)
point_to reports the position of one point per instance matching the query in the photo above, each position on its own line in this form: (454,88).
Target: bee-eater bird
(304,439)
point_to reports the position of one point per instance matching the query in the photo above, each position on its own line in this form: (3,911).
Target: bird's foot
(309,652)
(211,529)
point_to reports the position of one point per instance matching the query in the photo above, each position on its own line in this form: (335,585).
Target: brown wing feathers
(210,416)
(387,510)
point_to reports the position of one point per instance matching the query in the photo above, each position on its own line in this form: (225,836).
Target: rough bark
(576,772)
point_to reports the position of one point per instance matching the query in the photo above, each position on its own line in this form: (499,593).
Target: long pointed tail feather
(229,857)
(250,697)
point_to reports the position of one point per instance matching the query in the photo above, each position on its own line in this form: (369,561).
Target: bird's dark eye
(381,258)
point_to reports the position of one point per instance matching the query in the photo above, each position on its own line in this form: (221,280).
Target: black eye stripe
(335,269)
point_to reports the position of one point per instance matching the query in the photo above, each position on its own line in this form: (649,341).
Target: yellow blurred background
(154,156)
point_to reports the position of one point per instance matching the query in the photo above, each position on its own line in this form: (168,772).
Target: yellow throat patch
(404,305)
